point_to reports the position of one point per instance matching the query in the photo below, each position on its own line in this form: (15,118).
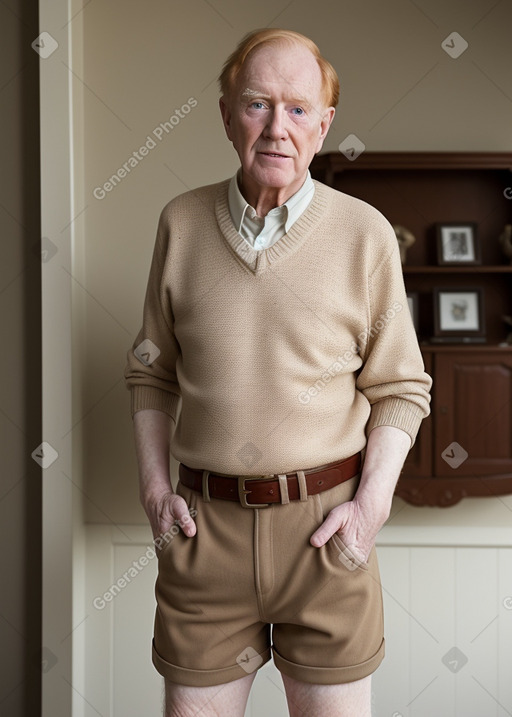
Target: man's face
(277,118)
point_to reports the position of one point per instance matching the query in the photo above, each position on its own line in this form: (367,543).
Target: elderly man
(277,361)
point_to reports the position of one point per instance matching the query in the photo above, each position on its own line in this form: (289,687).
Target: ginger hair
(274,36)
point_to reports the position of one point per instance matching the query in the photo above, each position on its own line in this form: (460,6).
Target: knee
(179,700)
(218,701)
(180,708)
(351,699)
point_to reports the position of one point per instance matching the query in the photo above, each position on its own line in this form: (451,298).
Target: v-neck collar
(258,261)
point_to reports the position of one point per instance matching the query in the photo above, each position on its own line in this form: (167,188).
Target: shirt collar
(292,208)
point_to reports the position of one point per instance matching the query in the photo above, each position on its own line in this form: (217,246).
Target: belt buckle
(243,492)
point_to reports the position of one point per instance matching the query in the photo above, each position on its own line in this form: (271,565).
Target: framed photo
(457,244)
(459,314)
(412,301)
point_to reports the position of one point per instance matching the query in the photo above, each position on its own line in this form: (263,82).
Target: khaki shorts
(250,582)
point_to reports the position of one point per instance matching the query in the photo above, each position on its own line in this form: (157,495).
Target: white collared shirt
(262,232)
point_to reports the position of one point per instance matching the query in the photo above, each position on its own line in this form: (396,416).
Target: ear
(324,126)
(226,115)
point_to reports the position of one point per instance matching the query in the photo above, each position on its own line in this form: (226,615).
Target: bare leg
(352,699)
(228,700)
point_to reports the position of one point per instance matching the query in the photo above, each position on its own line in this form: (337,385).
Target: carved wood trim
(333,162)
(444,492)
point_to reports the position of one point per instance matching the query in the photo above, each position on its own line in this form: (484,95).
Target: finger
(162,517)
(351,556)
(330,525)
(354,553)
(182,516)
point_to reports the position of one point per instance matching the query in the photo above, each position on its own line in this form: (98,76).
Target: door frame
(62,526)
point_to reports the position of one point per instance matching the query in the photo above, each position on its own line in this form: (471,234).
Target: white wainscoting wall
(448,613)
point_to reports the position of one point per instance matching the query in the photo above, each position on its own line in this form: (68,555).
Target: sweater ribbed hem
(143,397)
(396,412)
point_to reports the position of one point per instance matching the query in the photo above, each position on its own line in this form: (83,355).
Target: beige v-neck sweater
(276,360)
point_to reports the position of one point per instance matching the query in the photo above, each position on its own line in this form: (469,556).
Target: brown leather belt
(266,489)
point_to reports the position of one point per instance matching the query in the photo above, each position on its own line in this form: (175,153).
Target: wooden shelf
(330,164)
(496,269)
(427,347)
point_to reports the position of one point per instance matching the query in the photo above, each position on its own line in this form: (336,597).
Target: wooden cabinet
(465,447)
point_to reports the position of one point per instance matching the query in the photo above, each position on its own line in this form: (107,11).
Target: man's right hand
(167,510)
(163,507)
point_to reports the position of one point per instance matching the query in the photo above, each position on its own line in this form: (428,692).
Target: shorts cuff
(329,675)
(208,678)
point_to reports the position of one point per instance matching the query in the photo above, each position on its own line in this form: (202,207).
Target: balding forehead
(276,60)
(291,71)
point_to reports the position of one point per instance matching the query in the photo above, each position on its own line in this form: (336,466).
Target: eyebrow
(248,93)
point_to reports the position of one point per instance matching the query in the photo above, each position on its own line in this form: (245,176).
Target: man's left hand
(357,528)
(358,521)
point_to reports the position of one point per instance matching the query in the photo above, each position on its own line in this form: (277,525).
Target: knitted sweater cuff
(143,397)
(396,412)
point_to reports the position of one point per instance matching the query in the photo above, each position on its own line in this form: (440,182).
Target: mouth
(275,154)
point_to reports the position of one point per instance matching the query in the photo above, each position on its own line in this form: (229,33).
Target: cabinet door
(473,413)
(418,463)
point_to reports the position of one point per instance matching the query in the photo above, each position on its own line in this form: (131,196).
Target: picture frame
(457,244)
(412,301)
(459,314)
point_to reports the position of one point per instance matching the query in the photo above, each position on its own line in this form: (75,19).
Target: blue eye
(298,111)
(257,105)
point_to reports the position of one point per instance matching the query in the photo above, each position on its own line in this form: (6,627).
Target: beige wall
(143,61)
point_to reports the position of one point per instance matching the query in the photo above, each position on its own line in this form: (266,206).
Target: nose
(275,129)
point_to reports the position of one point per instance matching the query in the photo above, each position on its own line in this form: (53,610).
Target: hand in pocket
(353,530)
(169,510)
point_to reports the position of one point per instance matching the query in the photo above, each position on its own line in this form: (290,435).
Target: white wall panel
(267,694)
(134,692)
(476,621)
(394,569)
(504,651)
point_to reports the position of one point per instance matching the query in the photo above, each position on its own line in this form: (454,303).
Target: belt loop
(303,488)
(283,488)
(206,490)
